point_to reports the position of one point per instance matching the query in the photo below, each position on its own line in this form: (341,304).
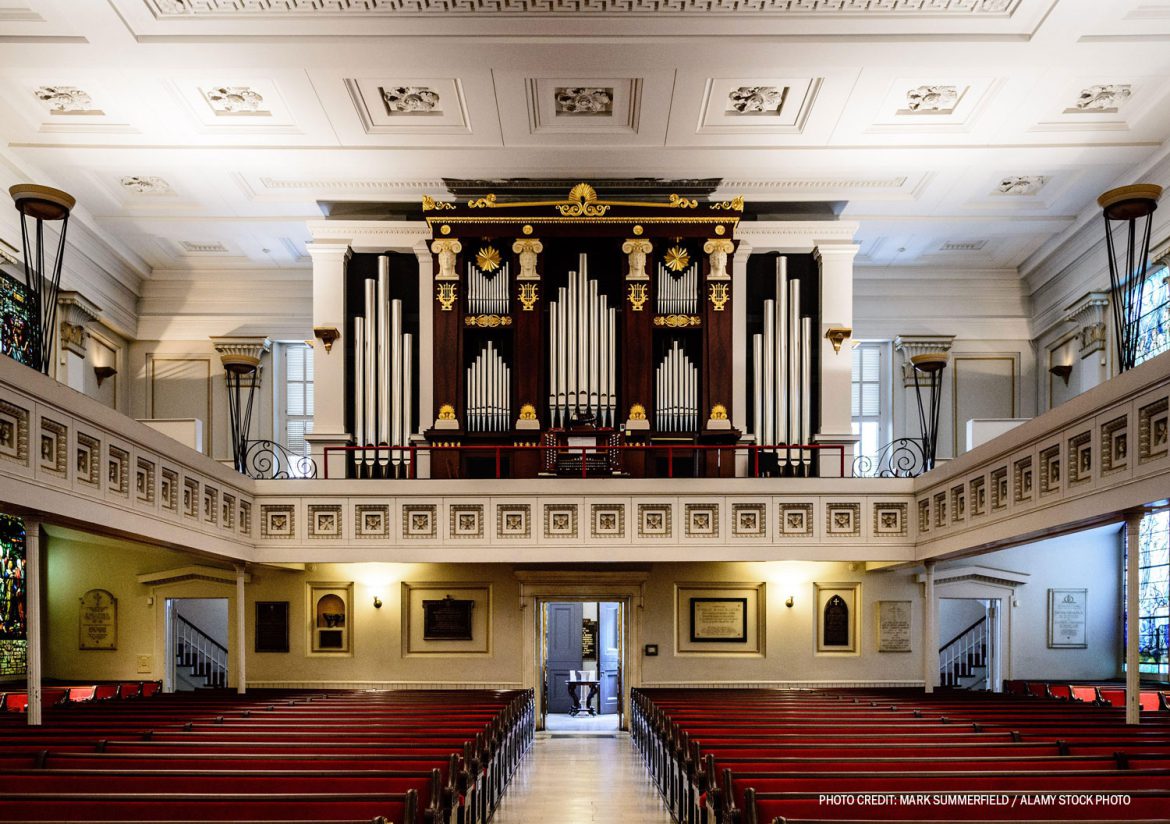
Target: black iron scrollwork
(902,458)
(268,460)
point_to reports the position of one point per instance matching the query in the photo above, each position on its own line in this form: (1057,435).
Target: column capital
(835,251)
(1088,313)
(322,251)
(76,312)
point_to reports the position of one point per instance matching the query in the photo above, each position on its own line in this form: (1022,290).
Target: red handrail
(498,451)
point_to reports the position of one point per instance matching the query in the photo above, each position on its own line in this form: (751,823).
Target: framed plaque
(272,626)
(448,619)
(893,626)
(98,619)
(719,620)
(836,613)
(1066,618)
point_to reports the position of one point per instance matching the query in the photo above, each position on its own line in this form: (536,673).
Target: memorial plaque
(448,619)
(1067,618)
(835,627)
(98,619)
(893,626)
(719,620)
(588,638)
(272,626)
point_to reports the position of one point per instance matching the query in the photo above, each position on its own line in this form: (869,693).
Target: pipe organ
(678,291)
(781,367)
(383,380)
(676,393)
(582,351)
(487,292)
(489,388)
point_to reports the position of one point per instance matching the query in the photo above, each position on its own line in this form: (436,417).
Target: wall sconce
(377,602)
(103,372)
(327,335)
(1062,371)
(837,335)
(788,602)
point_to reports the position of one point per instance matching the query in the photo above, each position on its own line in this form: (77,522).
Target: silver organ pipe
(781,364)
(582,344)
(678,293)
(487,292)
(676,393)
(489,388)
(383,375)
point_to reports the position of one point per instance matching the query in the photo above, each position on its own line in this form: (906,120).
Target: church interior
(554,410)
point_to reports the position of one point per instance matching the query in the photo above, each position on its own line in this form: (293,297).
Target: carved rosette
(527,248)
(636,250)
(717,249)
(1088,314)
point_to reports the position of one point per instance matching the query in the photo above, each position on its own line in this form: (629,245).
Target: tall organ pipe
(371,406)
(489,385)
(582,359)
(383,364)
(359,384)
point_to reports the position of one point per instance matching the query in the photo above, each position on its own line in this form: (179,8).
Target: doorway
(969,643)
(196,644)
(582,657)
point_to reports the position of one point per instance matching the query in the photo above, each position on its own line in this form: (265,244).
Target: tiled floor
(573,779)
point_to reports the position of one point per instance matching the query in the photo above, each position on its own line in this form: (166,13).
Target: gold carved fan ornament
(677,258)
(488,259)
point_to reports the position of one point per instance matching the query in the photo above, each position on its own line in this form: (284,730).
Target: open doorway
(197,644)
(582,658)
(969,651)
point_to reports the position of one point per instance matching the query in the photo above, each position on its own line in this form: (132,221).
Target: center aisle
(572,779)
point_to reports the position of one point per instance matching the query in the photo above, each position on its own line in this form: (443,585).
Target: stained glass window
(19,322)
(13,627)
(1154,323)
(1154,593)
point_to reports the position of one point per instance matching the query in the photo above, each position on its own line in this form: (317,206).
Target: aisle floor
(572,779)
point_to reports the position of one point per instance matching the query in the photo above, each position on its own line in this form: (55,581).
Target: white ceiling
(200,134)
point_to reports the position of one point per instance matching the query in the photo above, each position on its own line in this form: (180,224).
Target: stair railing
(963,652)
(196,649)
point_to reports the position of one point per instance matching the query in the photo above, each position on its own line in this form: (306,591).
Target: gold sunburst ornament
(488,259)
(677,258)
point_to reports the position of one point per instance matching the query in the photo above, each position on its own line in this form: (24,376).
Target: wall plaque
(98,620)
(272,626)
(835,626)
(1067,618)
(588,639)
(894,626)
(448,619)
(719,620)
(836,615)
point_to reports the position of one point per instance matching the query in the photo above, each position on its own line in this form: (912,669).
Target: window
(1154,576)
(295,409)
(1153,331)
(868,408)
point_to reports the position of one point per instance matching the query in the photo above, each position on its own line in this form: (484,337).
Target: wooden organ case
(582,320)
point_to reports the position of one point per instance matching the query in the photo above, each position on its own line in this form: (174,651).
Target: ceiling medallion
(932,99)
(677,258)
(756,100)
(488,259)
(584,101)
(66,100)
(146,185)
(235,100)
(410,100)
(1021,184)
(1105,98)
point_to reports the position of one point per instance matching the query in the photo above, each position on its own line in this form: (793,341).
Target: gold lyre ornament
(527,296)
(446,412)
(637,412)
(527,412)
(638,296)
(718,412)
(446,296)
(719,294)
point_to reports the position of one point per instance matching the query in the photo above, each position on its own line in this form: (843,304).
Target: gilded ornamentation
(527,229)
(678,321)
(717,250)
(677,258)
(488,259)
(637,230)
(733,205)
(487,321)
(718,412)
(637,412)
(446,412)
(429,204)
(638,296)
(485,202)
(582,202)
(677,202)
(446,296)
(447,250)
(637,249)
(527,296)
(719,294)
(527,249)
(527,412)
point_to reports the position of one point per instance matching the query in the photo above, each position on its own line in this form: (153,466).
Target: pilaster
(836,425)
(75,312)
(329,428)
(1089,315)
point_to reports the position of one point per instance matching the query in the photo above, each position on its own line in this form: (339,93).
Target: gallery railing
(902,458)
(268,460)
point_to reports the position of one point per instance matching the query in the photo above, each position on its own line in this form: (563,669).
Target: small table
(573,685)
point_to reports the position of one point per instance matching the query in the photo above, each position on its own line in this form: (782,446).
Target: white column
(836,425)
(930,659)
(241,639)
(425,348)
(32,602)
(329,429)
(1133,676)
(74,314)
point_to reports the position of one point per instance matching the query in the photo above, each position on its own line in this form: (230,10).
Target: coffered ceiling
(202,134)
